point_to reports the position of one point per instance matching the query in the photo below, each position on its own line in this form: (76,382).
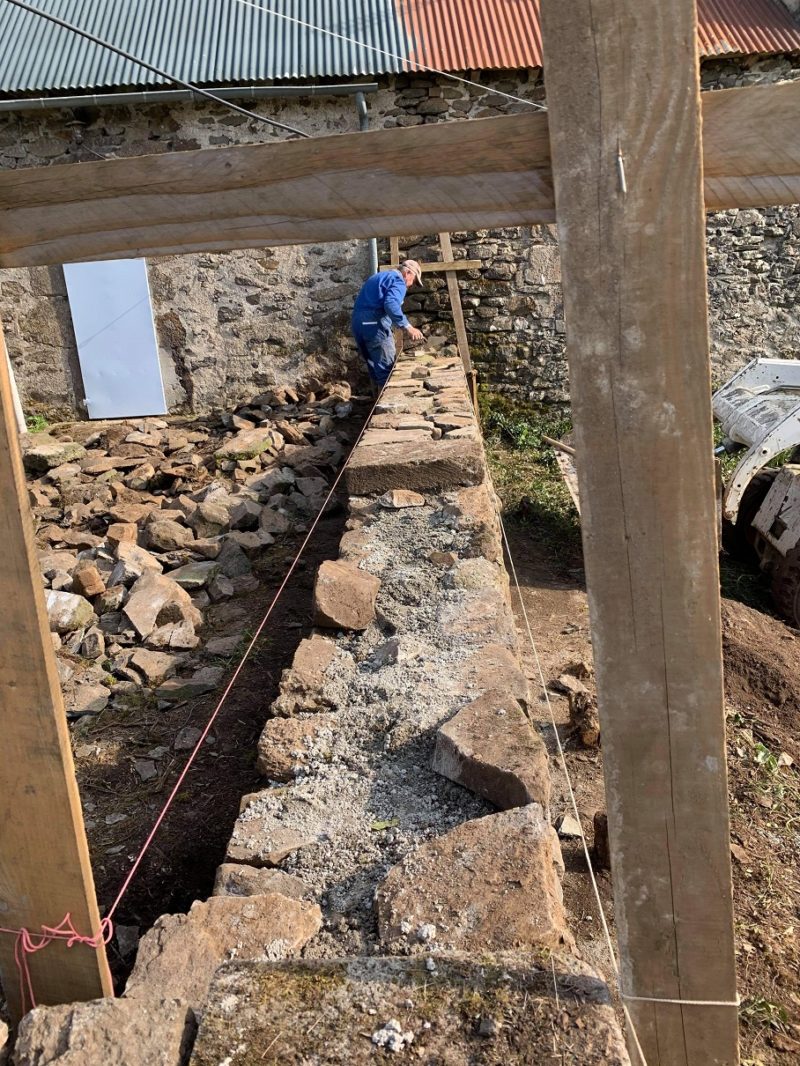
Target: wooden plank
(633,267)
(44,859)
(454,293)
(394,253)
(751,146)
(436,267)
(449,176)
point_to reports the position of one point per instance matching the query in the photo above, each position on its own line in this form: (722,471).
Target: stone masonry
(381,893)
(231,325)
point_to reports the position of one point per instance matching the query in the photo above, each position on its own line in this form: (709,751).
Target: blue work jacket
(381,296)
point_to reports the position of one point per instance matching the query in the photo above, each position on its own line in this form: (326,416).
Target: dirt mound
(762,666)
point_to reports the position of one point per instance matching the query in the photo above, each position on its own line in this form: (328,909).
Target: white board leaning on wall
(112,317)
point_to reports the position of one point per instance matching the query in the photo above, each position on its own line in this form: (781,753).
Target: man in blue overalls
(378,307)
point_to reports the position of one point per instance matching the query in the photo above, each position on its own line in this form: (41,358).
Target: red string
(28,943)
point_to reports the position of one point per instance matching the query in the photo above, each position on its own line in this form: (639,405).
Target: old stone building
(230,324)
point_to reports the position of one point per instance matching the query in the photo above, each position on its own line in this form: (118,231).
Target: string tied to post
(29,943)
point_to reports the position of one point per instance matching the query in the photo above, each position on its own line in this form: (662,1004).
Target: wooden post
(458,317)
(44,859)
(625,132)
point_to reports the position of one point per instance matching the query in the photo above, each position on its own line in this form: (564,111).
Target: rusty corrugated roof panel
(474,34)
(503,34)
(746,27)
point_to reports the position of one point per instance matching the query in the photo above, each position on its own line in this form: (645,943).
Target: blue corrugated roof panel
(203,41)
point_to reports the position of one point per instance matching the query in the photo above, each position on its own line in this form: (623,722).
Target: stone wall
(230,325)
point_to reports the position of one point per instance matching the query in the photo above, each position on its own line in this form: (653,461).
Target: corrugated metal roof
(498,34)
(475,34)
(744,27)
(202,41)
(226,42)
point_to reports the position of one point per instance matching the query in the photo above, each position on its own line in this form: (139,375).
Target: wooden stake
(454,292)
(626,152)
(44,859)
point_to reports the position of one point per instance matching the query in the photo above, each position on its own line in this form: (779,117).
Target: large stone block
(181,952)
(492,749)
(490,884)
(449,1010)
(107,1032)
(423,466)
(344,596)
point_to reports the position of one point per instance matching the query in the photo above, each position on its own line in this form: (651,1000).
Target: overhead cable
(149,66)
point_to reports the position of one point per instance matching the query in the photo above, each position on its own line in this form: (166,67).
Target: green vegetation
(527,477)
(36,423)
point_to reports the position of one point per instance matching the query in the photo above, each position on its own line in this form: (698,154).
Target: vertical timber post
(446,246)
(625,131)
(45,872)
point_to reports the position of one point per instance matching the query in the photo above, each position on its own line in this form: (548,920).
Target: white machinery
(759,410)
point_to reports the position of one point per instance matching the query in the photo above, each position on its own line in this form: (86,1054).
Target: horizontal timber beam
(480,174)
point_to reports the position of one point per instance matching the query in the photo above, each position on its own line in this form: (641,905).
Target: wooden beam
(436,267)
(633,266)
(462,340)
(44,859)
(447,176)
(460,175)
(394,253)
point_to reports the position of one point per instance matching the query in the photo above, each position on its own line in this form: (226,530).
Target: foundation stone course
(344,596)
(181,952)
(107,1032)
(448,1009)
(491,748)
(490,884)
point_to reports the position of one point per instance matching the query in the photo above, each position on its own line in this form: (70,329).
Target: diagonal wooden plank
(447,176)
(44,859)
(633,262)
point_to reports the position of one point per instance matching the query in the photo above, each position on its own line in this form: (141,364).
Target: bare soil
(762,667)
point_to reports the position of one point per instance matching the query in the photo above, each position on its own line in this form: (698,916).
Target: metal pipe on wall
(363,121)
(174,96)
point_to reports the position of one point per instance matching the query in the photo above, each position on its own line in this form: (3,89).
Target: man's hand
(415,334)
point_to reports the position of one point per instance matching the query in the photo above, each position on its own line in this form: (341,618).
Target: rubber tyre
(786,587)
(739,537)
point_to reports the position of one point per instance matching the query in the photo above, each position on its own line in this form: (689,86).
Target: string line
(624,996)
(193,755)
(28,943)
(391,55)
(563,760)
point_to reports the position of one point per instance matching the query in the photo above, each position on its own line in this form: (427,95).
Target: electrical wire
(390,55)
(155,70)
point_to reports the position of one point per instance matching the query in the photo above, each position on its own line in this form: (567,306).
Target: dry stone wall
(231,325)
(395,886)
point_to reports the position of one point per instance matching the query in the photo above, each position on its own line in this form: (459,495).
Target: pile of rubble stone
(143,524)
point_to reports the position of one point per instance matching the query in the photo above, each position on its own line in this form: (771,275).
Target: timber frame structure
(626,161)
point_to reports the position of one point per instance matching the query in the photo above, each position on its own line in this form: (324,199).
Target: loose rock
(344,596)
(491,748)
(67,612)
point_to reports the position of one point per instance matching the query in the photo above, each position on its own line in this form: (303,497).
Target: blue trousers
(375,342)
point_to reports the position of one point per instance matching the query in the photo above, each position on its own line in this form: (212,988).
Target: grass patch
(527,477)
(36,423)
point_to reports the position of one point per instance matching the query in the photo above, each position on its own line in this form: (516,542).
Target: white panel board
(117,347)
